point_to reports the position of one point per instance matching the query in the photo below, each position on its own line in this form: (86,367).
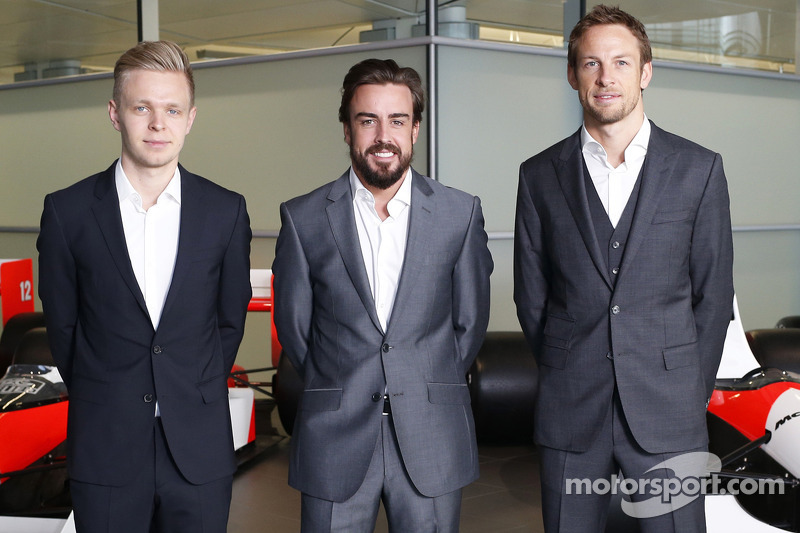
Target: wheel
(287,387)
(503,385)
(776,348)
(33,349)
(12,334)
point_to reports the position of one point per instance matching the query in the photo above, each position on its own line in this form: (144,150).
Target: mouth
(606,97)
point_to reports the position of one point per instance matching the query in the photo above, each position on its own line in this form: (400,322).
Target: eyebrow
(375,115)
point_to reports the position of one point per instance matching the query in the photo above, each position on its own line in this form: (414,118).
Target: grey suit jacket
(671,303)
(326,322)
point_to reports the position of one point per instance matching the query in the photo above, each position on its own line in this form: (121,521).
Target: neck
(383,196)
(149,182)
(615,137)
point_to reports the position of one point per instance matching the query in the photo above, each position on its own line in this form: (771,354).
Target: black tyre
(287,387)
(776,348)
(12,334)
(503,385)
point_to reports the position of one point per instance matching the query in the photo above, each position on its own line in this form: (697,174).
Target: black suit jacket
(663,322)
(114,363)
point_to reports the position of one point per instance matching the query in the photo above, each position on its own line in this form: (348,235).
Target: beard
(384,176)
(610,115)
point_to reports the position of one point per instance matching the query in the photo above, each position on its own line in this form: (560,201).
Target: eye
(173,112)
(622,63)
(367,122)
(591,64)
(398,123)
(141,108)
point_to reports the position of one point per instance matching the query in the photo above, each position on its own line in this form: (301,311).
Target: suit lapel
(106,212)
(656,173)
(420,226)
(570,171)
(194,215)
(343,226)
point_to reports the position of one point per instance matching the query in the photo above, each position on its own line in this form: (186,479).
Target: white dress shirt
(152,238)
(383,242)
(614,185)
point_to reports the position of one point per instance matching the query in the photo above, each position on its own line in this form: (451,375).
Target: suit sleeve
(234,287)
(711,272)
(58,289)
(471,292)
(293,297)
(531,266)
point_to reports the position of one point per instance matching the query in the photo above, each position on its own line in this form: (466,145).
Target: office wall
(497,108)
(269,129)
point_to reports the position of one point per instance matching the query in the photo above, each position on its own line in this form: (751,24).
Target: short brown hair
(603,14)
(381,72)
(163,56)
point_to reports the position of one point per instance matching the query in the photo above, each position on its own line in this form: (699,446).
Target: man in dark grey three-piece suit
(623,286)
(381,303)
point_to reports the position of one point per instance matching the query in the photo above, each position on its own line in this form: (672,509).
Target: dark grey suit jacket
(114,363)
(326,322)
(673,296)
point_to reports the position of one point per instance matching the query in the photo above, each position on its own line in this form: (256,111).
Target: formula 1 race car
(34,494)
(753,421)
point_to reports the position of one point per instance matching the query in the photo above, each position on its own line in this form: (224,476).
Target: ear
(647,75)
(192,114)
(346,129)
(414,132)
(113,114)
(571,78)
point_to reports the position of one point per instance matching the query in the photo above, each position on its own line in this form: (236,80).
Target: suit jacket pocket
(553,357)
(558,331)
(321,400)
(663,217)
(681,356)
(213,389)
(448,393)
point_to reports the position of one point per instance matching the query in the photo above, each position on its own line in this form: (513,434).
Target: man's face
(154,115)
(608,75)
(381,133)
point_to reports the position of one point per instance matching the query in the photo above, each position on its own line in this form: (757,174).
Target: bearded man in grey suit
(381,303)
(623,285)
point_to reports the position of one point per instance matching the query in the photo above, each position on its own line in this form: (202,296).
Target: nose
(382,133)
(604,78)
(157,122)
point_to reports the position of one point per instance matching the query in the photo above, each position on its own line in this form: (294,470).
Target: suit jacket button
(156,349)
(386,348)
(377,397)
(615,310)
(615,244)
(148,398)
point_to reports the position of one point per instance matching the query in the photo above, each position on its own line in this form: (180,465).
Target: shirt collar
(637,148)
(125,190)
(402,196)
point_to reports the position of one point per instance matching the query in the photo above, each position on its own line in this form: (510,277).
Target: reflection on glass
(44,39)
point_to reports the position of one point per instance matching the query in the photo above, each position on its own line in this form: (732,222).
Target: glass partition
(47,38)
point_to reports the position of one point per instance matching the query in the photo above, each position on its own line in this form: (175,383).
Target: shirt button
(615,244)
(377,397)
(615,270)
(148,398)
(156,349)
(615,310)
(386,348)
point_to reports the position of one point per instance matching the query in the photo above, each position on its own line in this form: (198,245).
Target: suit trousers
(158,500)
(406,509)
(614,454)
